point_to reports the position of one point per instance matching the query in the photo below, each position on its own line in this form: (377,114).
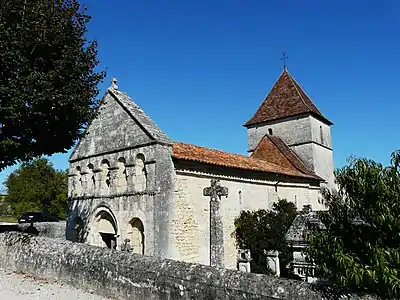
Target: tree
(48,81)
(37,186)
(360,247)
(262,231)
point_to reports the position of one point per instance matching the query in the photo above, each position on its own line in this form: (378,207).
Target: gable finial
(284,58)
(114,85)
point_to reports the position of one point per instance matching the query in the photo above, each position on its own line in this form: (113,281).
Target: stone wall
(121,275)
(293,130)
(303,135)
(46,229)
(190,211)
(121,171)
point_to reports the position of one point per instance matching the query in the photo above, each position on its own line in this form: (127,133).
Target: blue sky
(200,69)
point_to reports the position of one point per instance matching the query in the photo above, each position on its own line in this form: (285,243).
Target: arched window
(321,134)
(140,173)
(240,198)
(136,235)
(270,131)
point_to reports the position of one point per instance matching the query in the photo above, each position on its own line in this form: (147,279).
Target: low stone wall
(47,229)
(122,275)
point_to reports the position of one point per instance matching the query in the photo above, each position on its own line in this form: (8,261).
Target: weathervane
(284,58)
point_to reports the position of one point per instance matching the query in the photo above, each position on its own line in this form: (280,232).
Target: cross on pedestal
(215,191)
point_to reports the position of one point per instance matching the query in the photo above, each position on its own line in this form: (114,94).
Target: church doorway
(136,235)
(105,230)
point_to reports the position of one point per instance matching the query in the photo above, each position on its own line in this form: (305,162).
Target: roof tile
(285,99)
(224,159)
(274,149)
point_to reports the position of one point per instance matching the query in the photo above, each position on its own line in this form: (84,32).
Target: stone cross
(114,85)
(215,191)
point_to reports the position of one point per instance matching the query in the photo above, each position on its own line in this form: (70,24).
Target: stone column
(71,185)
(113,180)
(215,191)
(97,182)
(130,178)
(84,177)
(216,234)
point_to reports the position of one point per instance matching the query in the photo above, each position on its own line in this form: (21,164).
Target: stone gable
(120,125)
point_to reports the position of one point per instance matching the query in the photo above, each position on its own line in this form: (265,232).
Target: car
(33,217)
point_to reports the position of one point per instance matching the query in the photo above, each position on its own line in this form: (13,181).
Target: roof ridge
(295,83)
(272,140)
(144,121)
(242,155)
(270,90)
(294,153)
(221,158)
(286,98)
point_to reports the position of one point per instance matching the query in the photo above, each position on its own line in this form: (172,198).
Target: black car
(33,217)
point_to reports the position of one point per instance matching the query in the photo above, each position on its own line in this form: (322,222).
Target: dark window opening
(321,134)
(270,131)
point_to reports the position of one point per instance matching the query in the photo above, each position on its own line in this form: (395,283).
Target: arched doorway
(105,229)
(136,235)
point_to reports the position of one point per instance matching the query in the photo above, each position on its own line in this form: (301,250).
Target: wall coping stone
(132,276)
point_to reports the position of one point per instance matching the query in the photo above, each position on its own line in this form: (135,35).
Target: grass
(8,219)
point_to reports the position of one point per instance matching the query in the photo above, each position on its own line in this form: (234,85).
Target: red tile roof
(285,99)
(230,160)
(273,149)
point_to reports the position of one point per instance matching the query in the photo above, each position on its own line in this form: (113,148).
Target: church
(131,186)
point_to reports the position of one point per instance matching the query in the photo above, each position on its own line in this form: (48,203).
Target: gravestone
(215,192)
(273,262)
(244,259)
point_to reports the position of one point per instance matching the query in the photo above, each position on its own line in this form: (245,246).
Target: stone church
(131,186)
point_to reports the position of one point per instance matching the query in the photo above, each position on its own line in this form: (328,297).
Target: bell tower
(290,114)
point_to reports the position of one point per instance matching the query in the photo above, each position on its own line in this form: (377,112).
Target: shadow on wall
(78,219)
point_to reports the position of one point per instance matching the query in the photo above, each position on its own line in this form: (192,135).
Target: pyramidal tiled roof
(285,99)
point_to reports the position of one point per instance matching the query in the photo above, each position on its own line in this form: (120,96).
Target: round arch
(104,228)
(136,235)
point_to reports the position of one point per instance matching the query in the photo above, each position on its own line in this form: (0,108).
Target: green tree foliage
(360,248)
(48,82)
(262,231)
(37,186)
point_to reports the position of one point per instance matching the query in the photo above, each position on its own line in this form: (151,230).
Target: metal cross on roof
(284,58)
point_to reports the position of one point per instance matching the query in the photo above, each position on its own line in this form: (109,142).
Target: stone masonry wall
(293,130)
(307,136)
(190,211)
(46,229)
(121,275)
